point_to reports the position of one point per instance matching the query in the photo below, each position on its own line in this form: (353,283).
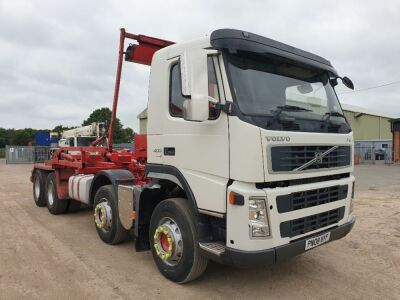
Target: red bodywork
(68,161)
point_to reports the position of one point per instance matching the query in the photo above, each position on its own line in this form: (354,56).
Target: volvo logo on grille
(317,159)
(278,138)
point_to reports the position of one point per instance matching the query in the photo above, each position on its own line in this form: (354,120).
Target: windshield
(275,93)
(85,141)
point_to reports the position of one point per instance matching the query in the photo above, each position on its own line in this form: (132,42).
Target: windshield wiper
(291,108)
(334,114)
(282,108)
(327,116)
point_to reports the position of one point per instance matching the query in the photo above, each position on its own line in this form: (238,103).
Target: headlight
(258,218)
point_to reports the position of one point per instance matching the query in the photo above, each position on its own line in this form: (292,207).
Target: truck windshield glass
(85,141)
(277,94)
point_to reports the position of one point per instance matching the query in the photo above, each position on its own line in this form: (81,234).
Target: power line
(372,87)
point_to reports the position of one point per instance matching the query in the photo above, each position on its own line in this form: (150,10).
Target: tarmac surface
(43,256)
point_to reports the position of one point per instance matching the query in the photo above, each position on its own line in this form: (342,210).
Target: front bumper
(279,254)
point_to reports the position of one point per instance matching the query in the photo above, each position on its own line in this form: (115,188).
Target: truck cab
(255,129)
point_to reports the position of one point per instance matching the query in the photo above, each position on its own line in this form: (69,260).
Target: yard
(47,256)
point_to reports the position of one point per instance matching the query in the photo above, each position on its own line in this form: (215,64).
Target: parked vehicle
(247,158)
(81,136)
(379,154)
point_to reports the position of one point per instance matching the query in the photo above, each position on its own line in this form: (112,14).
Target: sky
(58,58)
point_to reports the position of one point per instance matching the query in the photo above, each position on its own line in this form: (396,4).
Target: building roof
(143,114)
(358,109)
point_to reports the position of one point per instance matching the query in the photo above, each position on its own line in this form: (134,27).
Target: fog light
(258,218)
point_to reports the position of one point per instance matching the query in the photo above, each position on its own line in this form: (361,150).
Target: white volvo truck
(249,158)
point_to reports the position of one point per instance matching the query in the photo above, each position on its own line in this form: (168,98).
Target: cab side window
(213,90)
(176,98)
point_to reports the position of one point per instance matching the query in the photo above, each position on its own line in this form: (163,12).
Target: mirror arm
(227,107)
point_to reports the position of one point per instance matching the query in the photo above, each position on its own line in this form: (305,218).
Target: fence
(33,154)
(26,154)
(2,152)
(372,155)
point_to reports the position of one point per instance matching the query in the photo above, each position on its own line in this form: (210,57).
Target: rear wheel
(54,204)
(174,241)
(106,219)
(74,205)
(39,181)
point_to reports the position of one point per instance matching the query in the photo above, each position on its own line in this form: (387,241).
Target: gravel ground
(46,256)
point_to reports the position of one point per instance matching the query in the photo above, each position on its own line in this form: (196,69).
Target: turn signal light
(236,199)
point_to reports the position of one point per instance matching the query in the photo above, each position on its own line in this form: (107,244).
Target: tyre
(106,219)
(74,205)
(174,241)
(39,181)
(54,204)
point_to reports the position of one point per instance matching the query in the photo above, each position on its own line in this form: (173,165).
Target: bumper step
(216,248)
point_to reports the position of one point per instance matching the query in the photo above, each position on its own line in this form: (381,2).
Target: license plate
(318,240)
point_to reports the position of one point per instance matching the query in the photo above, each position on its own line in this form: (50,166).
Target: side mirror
(194,74)
(193,109)
(347,82)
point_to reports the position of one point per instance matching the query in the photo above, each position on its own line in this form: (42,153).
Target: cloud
(58,58)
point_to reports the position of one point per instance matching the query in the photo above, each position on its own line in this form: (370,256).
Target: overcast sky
(58,58)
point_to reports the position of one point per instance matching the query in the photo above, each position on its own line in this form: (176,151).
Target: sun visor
(241,40)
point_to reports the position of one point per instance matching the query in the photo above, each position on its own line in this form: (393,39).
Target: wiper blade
(326,118)
(334,114)
(291,108)
(280,109)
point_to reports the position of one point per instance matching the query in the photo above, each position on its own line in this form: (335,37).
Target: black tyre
(74,205)
(106,220)
(39,182)
(54,204)
(174,241)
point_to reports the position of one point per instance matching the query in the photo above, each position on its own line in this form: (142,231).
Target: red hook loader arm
(93,159)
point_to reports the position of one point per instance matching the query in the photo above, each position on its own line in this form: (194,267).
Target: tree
(60,129)
(121,134)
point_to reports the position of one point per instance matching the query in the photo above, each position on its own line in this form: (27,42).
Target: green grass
(2,152)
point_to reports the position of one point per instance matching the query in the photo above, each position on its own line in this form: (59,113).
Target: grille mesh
(310,198)
(303,225)
(289,158)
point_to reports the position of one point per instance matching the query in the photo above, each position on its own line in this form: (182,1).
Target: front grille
(303,225)
(310,198)
(289,158)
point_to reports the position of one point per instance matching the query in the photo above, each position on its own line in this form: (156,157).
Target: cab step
(217,248)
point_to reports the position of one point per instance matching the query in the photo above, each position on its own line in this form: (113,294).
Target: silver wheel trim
(177,241)
(108,215)
(50,197)
(37,187)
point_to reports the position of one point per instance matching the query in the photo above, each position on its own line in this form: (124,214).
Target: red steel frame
(68,161)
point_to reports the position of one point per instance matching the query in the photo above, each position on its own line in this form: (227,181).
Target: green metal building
(370,129)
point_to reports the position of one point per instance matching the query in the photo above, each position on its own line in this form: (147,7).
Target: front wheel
(174,241)
(108,225)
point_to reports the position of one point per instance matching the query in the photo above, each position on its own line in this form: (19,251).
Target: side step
(216,248)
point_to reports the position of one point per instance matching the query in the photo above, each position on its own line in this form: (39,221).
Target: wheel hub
(50,197)
(168,242)
(103,216)
(37,187)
